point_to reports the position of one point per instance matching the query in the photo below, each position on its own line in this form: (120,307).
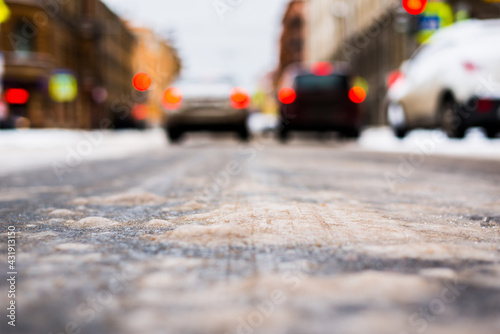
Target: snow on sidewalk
(30,149)
(431,142)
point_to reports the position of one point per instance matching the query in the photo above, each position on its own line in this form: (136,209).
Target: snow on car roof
(465,30)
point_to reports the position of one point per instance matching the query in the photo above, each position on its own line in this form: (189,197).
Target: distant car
(452,82)
(206,105)
(319,98)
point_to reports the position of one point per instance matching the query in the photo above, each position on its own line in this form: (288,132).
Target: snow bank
(32,148)
(432,142)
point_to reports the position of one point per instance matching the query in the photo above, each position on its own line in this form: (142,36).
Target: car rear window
(196,89)
(312,82)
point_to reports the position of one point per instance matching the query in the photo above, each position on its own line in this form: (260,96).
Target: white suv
(452,82)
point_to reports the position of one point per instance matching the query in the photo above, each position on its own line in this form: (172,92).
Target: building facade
(292,40)
(374,37)
(83,40)
(159,59)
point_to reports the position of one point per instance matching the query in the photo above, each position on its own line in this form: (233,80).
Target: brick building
(155,56)
(81,38)
(292,41)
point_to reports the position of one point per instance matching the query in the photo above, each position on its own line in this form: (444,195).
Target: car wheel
(400,133)
(451,121)
(283,135)
(491,132)
(397,119)
(174,135)
(351,133)
(243,134)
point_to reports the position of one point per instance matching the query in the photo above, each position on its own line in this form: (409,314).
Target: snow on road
(30,149)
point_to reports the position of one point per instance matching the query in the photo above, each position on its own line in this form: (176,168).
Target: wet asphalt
(355,241)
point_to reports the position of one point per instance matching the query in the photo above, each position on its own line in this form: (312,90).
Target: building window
(295,44)
(23,36)
(296,23)
(88,7)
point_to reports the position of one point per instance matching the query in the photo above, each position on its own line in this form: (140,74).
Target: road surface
(217,237)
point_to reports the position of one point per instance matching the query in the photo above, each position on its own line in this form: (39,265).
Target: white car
(452,82)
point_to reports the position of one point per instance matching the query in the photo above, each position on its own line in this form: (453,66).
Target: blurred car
(319,98)
(451,82)
(206,105)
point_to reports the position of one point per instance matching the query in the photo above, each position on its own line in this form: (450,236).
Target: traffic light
(415,7)
(142,81)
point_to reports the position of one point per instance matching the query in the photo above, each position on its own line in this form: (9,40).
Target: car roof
(465,30)
(205,80)
(298,69)
(204,87)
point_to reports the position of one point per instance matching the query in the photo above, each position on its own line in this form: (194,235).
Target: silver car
(214,105)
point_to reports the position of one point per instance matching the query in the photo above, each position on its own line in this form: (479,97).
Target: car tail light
(240,98)
(287,95)
(484,106)
(357,94)
(140,112)
(394,77)
(322,68)
(17,96)
(470,67)
(172,98)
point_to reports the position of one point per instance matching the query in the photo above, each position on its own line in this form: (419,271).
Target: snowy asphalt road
(215,237)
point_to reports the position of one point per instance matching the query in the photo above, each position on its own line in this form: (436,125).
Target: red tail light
(287,95)
(484,106)
(17,96)
(394,77)
(357,94)
(172,98)
(470,67)
(322,68)
(240,98)
(140,112)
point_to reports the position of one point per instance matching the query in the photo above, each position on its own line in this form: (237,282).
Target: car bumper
(326,119)
(208,119)
(482,112)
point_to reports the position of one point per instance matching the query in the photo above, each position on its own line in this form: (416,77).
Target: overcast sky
(244,43)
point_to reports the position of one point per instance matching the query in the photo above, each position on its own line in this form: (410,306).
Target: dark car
(320,98)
